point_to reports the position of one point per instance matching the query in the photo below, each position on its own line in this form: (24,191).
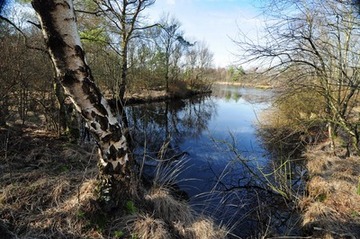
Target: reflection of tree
(235,93)
(165,125)
(229,93)
(197,113)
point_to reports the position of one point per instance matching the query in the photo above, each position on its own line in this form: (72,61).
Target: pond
(209,148)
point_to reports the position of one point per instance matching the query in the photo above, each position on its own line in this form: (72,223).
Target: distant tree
(22,95)
(170,43)
(235,72)
(198,60)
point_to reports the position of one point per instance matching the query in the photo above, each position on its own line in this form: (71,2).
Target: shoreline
(247,85)
(152,96)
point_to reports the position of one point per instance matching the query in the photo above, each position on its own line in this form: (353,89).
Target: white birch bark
(58,22)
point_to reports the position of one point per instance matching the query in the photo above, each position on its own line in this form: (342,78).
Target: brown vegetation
(49,190)
(332,206)
(330,203)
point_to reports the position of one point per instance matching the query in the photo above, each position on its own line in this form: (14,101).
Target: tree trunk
(122,87)
(67,120)
(331,136)
(58,22)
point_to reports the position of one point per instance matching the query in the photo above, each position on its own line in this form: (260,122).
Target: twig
(6,152)
(35,24)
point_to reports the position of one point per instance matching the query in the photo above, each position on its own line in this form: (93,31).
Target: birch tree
(58,23)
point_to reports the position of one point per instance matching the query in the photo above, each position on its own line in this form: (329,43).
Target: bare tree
(198,62)
(317,45)
(124,17)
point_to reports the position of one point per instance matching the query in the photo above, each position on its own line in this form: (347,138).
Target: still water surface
(209,138)
(233,123)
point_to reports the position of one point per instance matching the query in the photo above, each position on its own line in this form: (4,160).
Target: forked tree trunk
(58,23)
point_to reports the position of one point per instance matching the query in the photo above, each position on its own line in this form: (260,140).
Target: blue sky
(214,21)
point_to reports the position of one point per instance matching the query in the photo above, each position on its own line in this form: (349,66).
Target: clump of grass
(168,208)
(147,227)
(180,217)
(319,189)
(204,228)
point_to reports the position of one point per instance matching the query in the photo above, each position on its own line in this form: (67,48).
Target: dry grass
(49,190)
(148,227)
(44,186)
(173,217)
(332,206)
(168,208)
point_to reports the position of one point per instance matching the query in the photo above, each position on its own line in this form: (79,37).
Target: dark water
(209,145)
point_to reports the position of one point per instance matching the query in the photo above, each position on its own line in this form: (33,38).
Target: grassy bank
(254,84)
(331,208)
(330,201)
(49,189)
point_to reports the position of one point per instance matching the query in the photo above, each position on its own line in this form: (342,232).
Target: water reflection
(161,128)
(217,138)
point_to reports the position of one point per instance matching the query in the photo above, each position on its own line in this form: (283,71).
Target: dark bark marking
(112,153)
(87,87)
(69,19)
(54,42)
(103,121)
(117,134)
(121,154)
(86,69)
(79,52)
(101,109)
(93,125)
(106,138)
(68,79)
(85,113)
(94,95)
